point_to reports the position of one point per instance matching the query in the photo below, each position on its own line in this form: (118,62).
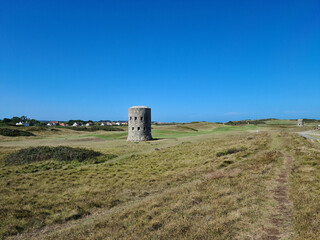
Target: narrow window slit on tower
(130,118)
(138,128)
(135,118)
(141,118)
(132,128)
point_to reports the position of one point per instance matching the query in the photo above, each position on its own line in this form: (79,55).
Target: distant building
(75,124)
(22,124)
(300,122)
(88,124)
(63,124)
(53,123)
(108,123)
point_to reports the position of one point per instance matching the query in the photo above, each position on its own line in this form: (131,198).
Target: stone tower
(300,123)
(139,123)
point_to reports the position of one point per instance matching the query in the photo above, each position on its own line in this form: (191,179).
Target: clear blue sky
(187,60)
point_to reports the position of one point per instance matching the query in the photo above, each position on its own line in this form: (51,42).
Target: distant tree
(33,122)
(6,120)
(24,118)
(15,120)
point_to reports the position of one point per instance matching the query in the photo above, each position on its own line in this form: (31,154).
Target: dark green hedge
(14,132)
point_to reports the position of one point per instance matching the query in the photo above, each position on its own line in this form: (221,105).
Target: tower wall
(300,122)
(139,124)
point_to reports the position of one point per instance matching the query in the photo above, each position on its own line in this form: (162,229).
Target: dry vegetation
(197,181)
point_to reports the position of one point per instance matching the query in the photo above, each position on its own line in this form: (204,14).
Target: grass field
(188,183)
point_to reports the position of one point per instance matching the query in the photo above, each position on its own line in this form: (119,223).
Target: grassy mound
(42,153)
(41,128)
(96,128)
(14,132)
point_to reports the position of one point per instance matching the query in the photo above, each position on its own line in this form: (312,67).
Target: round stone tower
(300,122)
(139,124)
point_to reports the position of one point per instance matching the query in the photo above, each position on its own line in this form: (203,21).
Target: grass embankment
(174,193)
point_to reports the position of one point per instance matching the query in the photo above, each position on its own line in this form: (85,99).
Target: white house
(75,124)
(21,123)
(88,124)
(102,124)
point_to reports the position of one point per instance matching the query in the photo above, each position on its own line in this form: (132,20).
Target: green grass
(109,136)
(176,134)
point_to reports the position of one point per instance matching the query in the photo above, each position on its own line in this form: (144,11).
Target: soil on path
(281,219)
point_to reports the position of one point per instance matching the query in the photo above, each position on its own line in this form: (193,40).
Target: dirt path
(305,134)
(281,219)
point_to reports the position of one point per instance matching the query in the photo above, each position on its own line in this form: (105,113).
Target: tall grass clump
(14,132)
(230,151)
(42,153)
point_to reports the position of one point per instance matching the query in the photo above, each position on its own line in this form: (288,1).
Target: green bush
(14,132)
(42,153)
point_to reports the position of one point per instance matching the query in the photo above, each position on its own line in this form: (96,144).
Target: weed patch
(225,164)
(230,151)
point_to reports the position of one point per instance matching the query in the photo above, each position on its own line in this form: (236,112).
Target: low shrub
(42,153)
(230,151)
(14,132)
